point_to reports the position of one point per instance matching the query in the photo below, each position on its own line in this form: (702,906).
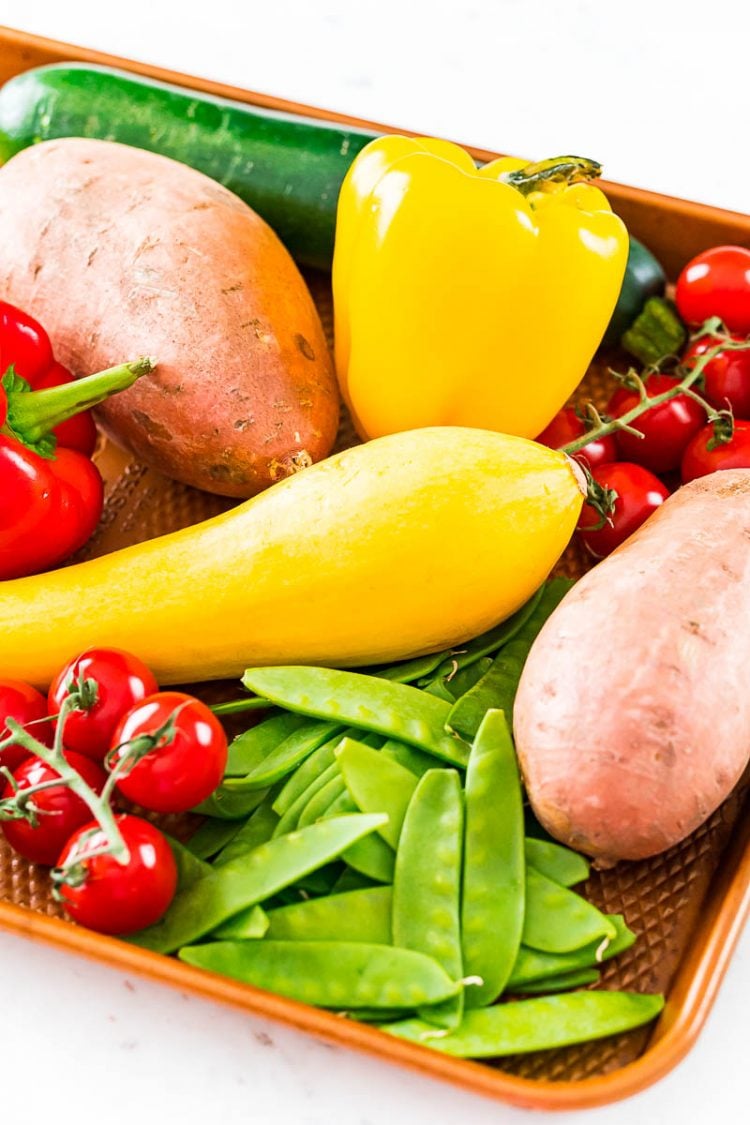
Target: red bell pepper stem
(33,414)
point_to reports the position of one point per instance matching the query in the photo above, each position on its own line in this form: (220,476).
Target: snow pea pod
(351,698)
(556,862)
(492,914)
(558,920)
(409,671)
(409,757)
(344,803)
(377,784)
(461,680)
(290,819)
(212,836)
(491,641)
(427,882)
(323,799)
(497,688)
(251,879)
(363,915)
(256,831)
(372,857)
(330,974)
(285,757)
(252,924)
(535,1025)
(223,804)
(534,966)
(574,979)
(306,773)
(249,749)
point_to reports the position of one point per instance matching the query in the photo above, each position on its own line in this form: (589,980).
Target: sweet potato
(632,718)
(120,252)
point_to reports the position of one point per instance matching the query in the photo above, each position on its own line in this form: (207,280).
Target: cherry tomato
(177,774)
(699,460)
(717,283)
(639,493)
(116,898)
(727,377)
(566,427)
(61,811)
(122,680)
(78,432)
(666,429)
(26,705)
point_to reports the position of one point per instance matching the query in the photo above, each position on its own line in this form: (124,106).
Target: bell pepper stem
(34,414)
(546,175)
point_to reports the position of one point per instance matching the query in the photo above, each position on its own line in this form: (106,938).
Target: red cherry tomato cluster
(163,750)
(677,437)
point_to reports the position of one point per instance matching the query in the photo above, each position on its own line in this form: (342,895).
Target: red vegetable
(666,429)
(50,501)
(565,427)
(717,283)
(24,344)
(186,764)
(638,494)
(121,679)
(699,460)
(26,705)
(61,812)
(115,898)
(727,377)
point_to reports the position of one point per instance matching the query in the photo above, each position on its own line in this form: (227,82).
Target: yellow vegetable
(465,296)
(399,547)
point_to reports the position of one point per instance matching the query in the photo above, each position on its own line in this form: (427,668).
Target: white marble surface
(658,92)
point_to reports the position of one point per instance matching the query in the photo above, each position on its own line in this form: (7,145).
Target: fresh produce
(425,945)
(716,283)
(565,427)
(108,682)
(26,347)
(727,376)
(26,706)
(244,394)
(58,811)
(666,429)
(287,168)
(636,495)
(626,760)
(51,497)
(181,752)
(465,520)
(656,333)
(441,317)
(644,278)
(717,447)
(534,1025)
(112,897)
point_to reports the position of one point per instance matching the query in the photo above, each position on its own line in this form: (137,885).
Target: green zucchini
(644,278)
(289,169)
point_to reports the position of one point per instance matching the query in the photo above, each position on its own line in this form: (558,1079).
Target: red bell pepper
(25,345)
(50,498)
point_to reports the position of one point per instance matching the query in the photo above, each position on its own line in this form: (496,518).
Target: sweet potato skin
(632,718)
(120,252)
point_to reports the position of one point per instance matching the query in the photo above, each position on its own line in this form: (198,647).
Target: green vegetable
(535,1025)
(657,333)
(492,912)
(360,915)
(332,974)
(427,882)
(577,922)
(644,278)
(288,168)
(377,783)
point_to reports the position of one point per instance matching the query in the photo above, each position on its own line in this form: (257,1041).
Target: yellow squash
(403,546)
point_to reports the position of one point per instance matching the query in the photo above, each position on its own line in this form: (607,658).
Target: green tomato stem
(684,385)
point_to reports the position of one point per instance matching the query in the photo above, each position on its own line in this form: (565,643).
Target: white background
(659,93)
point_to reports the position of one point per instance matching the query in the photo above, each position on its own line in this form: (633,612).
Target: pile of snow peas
(368,852)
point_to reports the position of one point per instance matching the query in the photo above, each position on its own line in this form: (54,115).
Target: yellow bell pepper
(469,296)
